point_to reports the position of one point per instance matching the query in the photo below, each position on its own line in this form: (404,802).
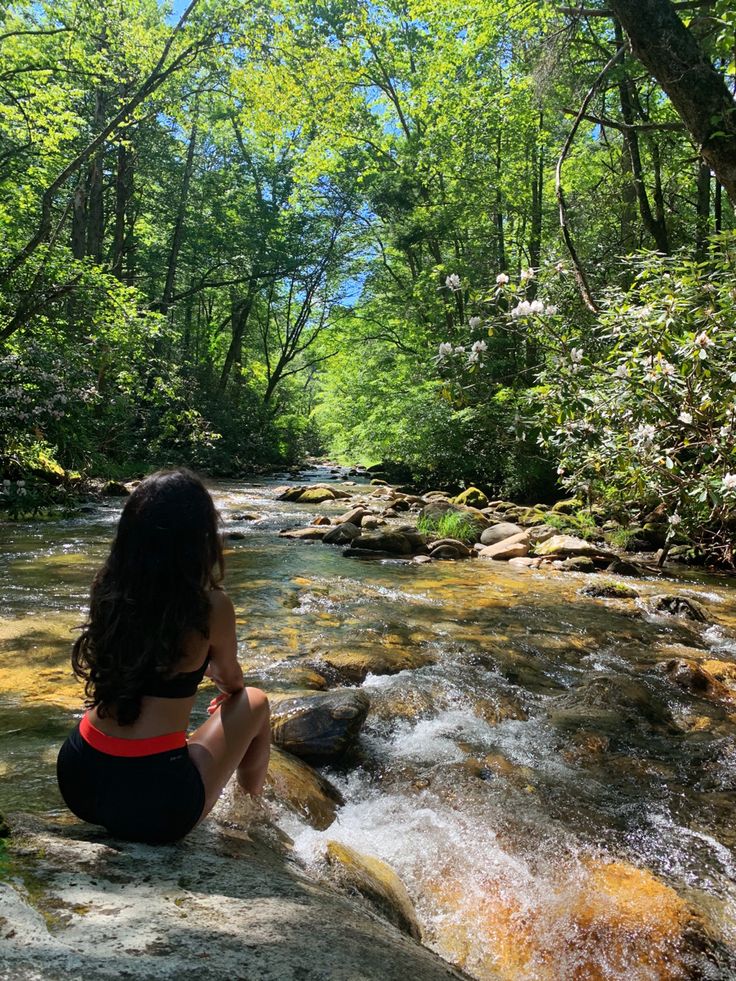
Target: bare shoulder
(222,611)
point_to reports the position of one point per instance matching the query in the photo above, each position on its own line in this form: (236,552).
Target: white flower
(622,371)
(724,432)
(560,470)
(452,282)
(703,342)
(502,279)
(21,483)
(551,310)
(459,349)
(560,268)
(6,483)
(666,367)
(474,357)
(537,306)
(674,519)
(474,323)
(644,434)
(526,274)
(729,482)
(576,355)
(479,347)
(445,349)
(686,417)
(523,309)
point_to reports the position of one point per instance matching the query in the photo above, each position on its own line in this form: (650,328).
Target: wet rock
(302,789)
(310,534)
(354,666)
(321,726)
(420,559)
(288,493)
(321,519)
(696,678)
(593,921)
(244,516)
(678,606)
(391,542)
(578,563)
(460,547)
(342,534)
(236,535)
(367,553)
(608,701)
(721,670)
(620,567)
(564,546)
(317,495)
(354,516)
(378,883)
(446,552)
(114,488)
(472,497)
(524,562)
(107,910)
(517,546)
(609,589)
(500,532)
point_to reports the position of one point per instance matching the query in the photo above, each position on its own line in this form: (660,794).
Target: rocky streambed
(522,756)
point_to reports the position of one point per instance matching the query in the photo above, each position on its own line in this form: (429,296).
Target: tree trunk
(79,221)
(703,212)
(95,188)
(696,89)
(240,313)
(123,196)
(178,236)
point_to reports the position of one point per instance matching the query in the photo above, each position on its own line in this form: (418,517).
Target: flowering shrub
(642,411)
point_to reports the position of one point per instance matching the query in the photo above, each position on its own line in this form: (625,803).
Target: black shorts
(155,798)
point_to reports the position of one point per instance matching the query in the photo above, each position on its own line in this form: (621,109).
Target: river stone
(302,789)
(220,904)
(321,519)
(620,567)
(384,541)
(317,495)
(540,533)
(499,532)
(446,553)
(578,563)
(609,589)
(236,535)
(354,666)
(678,606)
(517,546)
(472,497)
(696,679)
(314,533)
(342,534)
(288,493)
(454,543)
(353,517)
(569,506)
(321,726)
(378,883)
(114,488)
(563,546)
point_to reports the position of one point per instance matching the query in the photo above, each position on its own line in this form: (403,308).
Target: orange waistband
(114,746)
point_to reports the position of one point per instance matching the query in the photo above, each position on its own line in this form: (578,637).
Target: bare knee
(258,702)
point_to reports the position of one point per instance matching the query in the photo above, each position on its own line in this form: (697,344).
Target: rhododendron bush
(642,409)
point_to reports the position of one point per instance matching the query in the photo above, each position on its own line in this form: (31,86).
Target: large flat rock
(75,903)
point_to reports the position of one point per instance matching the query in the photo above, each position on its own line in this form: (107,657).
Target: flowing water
(556,805)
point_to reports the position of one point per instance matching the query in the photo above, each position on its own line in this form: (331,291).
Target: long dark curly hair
(151,593)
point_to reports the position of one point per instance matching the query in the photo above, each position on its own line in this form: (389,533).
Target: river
(534,748)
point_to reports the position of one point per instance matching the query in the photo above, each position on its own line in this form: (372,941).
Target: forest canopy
(472,241)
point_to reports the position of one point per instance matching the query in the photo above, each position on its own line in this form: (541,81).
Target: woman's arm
(223,668)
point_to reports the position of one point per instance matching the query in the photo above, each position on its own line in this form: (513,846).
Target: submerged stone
(321,726)
(303,790)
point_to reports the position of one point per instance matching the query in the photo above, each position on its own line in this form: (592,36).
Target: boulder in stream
(378,883)
(302,789)
(471,497)
(223,903)
(517,546)
(389,541)
(564,546)
(342,534)
(320,726)
(500,532)
(678,606)
(314,533)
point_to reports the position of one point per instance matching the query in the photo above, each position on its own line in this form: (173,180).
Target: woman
(158,624)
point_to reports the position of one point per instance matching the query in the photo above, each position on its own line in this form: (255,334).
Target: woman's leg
(236,738)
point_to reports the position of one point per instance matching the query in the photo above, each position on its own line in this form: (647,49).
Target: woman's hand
(217,702)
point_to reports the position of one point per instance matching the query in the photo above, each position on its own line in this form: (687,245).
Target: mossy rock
(316,495)
(609,589)
(472,497)
(378,883)
(568,506)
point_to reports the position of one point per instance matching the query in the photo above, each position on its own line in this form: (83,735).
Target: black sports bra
(182,685)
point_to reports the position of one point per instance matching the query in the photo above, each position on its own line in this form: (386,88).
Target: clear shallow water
(535,743)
